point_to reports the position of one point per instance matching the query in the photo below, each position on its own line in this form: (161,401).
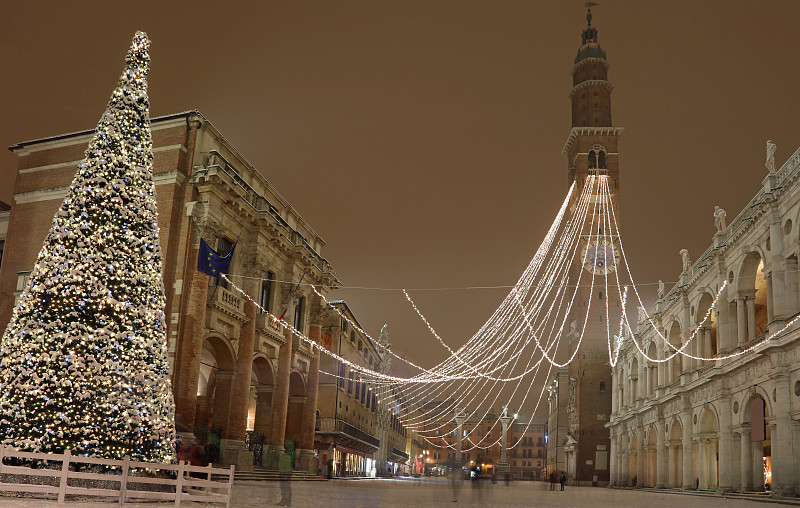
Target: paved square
(429,493)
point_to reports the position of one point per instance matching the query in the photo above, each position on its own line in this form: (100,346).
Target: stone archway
(294,414)
(756,300)
(707,336)
(217,364)
(262,387)
(757,464)
(675,462)
(651,370)
(634,459)
(676,363)
(652,457)
(708,450)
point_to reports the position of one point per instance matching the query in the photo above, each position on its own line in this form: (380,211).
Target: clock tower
(592,154)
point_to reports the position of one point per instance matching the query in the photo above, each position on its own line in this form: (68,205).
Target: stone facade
(527,459)
(731,423)
(357,434)
(233,370)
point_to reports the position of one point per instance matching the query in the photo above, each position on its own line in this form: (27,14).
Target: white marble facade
(730,423)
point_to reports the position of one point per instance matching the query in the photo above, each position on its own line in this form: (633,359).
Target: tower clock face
(600,256)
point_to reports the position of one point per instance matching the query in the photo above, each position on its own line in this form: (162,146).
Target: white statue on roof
(719,218)
(770,164)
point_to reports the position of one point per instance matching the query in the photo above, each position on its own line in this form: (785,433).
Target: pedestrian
(553,480)
(563,480)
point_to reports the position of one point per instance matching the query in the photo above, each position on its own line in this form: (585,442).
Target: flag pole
(291,300)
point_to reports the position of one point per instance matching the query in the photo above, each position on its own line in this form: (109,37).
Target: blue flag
(211,263)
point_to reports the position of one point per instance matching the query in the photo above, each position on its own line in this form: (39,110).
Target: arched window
(592,159)
(597,157)
(299,309)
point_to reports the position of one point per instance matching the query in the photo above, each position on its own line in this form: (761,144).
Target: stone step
(260,474)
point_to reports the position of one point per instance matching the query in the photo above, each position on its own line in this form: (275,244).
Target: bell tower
(592,155)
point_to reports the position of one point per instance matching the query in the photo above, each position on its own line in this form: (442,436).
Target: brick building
(481,446)
(581,402)
(229,361)
(527,458)
(5,214)
(347,428)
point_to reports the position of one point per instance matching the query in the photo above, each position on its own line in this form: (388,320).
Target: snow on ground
(425,493)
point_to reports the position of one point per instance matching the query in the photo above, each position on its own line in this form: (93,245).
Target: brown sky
(422,139)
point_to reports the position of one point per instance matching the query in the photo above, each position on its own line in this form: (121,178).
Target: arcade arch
(217,364)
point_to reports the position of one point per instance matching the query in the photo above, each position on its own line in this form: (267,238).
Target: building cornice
(590,60)
(83,137)
(591,82)
(589,131)
(163,178)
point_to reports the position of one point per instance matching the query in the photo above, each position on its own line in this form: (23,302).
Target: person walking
(563,480)
(553,480)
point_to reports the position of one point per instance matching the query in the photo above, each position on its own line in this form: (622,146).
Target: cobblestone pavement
(427,493)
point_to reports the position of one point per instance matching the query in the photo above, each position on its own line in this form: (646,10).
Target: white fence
(201,486)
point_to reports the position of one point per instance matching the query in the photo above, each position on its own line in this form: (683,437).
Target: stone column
(280,398)
(726,444)
(788,300)
(688,455)
(746,461)
(187,371)
(201,418)
(641,458)
(235,449)
(306,460)
(222,399)
(702,449)
(614,394)
(770,297)
(460,417)
(707,352)
(262,424)
(784,477)
(626,466)
(613,476)
(662,459)
(504,420)
(672,467)
(751,318)
(758,466)
(741,318)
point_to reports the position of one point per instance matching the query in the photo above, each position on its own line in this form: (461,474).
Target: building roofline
(76,134)
(184,114)
(347,307)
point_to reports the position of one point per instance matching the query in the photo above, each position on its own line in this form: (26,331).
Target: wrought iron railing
(329,426)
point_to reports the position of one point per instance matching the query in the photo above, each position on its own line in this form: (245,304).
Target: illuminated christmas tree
(83,362)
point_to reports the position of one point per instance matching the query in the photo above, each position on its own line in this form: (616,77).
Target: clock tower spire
(592,155)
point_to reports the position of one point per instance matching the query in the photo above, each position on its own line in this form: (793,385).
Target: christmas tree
(83,362)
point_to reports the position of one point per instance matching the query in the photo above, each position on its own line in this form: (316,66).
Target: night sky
(422,139)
